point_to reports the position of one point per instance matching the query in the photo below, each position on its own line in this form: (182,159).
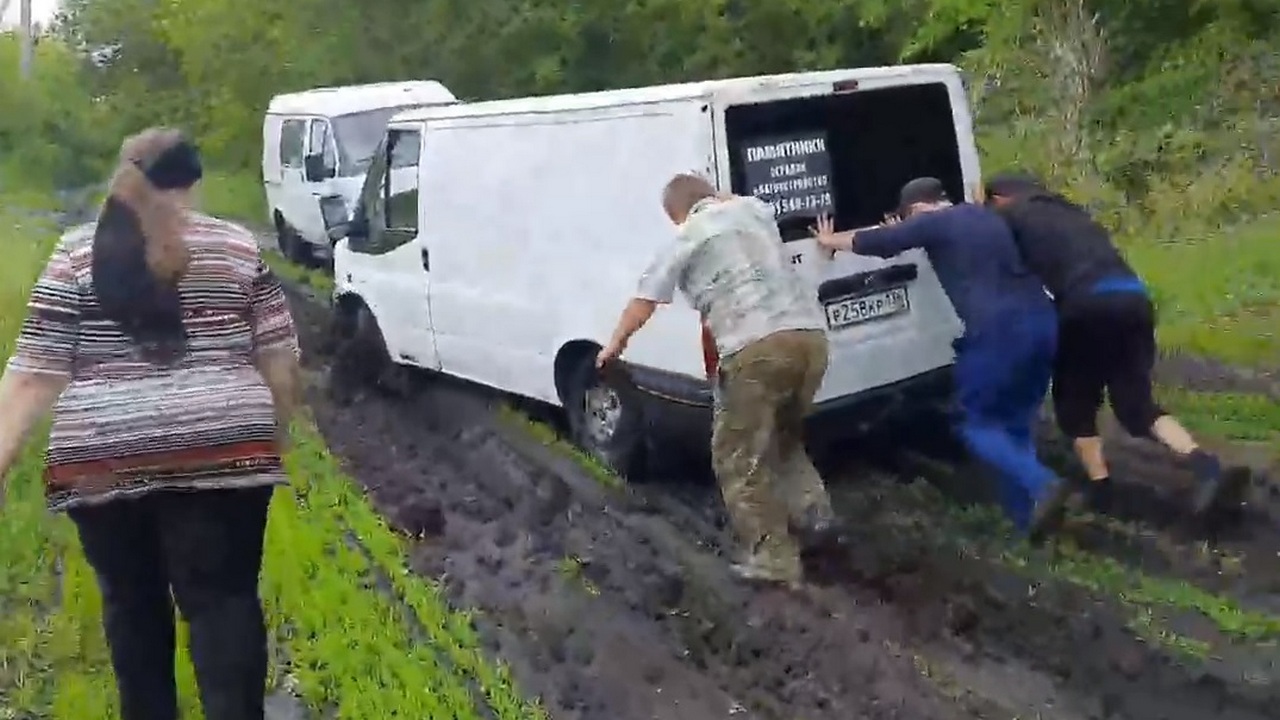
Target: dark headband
(177,168)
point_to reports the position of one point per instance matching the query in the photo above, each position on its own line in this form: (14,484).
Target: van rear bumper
(678,408)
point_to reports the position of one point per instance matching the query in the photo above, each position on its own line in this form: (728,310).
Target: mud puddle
(619,604)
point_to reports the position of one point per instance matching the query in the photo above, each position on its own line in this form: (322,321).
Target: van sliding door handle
(426,259)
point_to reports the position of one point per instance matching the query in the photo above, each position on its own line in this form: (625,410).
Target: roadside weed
(551,438)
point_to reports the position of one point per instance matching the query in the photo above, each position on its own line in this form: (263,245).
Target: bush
(52,133)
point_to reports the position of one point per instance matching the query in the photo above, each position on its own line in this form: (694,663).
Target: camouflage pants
(757,445)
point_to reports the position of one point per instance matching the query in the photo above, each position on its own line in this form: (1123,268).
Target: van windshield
(358,135)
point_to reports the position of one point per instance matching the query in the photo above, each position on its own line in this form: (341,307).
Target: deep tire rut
(619,604)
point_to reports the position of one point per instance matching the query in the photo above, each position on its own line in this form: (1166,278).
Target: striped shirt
(125,426)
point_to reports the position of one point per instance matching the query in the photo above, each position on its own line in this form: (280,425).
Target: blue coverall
(1004,360)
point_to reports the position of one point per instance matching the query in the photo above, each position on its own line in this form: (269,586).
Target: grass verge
(235,195)
(1236,417)
(547,435)
(306,277)
(348,646)
(1219,295)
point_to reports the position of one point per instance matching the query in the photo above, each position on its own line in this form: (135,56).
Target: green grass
(235,195)
(549,437)
(357,634)
(1239,417)
(1219,295)
(307,277)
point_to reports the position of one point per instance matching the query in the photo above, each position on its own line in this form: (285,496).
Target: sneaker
(1208,473)
(1050,510)
(1100,495)
(1216,484)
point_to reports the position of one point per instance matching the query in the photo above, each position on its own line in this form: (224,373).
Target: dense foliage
(1165,112)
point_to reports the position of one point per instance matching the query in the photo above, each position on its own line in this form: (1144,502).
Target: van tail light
(710,356)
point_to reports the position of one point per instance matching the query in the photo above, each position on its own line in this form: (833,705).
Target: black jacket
(1064,245)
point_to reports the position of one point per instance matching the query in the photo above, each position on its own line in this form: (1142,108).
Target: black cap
(920,190)
(1014,183)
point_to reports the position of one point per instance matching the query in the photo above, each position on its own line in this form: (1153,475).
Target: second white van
(498,241)
(316,146)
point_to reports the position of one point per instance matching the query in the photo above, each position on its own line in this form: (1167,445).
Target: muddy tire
(360,358)
(291,244)
(606,420)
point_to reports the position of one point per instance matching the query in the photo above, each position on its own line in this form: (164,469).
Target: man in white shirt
(729,262)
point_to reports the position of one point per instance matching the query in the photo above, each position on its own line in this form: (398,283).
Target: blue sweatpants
(1002,374)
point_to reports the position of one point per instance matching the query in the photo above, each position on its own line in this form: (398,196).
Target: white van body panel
(539,225)
(541,213)
(287,190)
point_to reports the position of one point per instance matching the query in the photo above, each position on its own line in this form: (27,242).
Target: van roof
(347,99)
(666,93)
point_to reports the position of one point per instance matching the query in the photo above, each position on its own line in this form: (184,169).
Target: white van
(499,241)
(316,146)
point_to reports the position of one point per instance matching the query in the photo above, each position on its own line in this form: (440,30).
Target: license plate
(863,308)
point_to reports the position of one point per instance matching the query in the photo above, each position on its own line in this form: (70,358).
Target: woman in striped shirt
(166,350)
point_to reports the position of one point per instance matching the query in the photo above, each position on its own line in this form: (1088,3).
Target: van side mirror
(358,225)
(315,169)
(355,229)
(341,231)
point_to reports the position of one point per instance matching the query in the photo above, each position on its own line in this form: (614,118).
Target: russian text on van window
(792,174)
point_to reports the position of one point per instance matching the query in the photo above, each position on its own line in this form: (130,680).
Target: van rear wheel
(606,420)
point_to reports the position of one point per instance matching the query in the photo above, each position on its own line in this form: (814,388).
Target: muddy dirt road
(618,604)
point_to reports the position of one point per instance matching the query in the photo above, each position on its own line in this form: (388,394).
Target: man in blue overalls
(1004,360)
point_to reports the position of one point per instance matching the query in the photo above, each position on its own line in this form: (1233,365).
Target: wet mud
(619,604)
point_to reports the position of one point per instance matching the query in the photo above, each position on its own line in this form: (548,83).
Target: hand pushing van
(525,300)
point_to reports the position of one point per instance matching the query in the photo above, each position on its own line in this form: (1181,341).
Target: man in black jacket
(1106,335)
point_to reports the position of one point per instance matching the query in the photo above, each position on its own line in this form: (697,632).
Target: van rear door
(845,145)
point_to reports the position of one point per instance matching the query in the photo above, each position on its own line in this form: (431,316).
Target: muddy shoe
(760,570)
(818,531)
(1216,484)
(1099,495)
(1050,510)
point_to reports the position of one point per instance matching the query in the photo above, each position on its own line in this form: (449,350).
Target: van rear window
(848,154)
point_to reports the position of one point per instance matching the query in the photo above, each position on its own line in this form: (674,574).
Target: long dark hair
(139,252)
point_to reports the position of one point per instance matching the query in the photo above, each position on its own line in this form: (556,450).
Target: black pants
(1106,346)
(206,546)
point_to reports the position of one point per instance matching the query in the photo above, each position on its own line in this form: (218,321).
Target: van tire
(282,234)
(606,420)
(360,358)
(291,244)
